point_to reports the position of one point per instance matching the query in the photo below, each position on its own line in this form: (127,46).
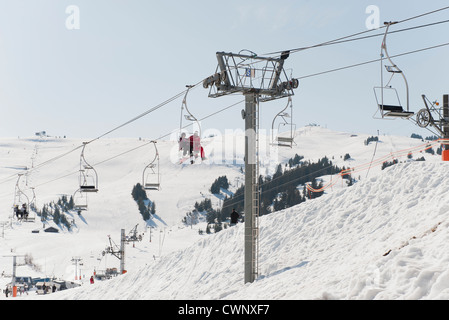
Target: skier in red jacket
(195,146)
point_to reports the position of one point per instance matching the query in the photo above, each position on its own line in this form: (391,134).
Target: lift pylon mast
(258,79)
(118,253)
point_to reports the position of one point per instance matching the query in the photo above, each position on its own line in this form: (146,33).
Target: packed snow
(385,237)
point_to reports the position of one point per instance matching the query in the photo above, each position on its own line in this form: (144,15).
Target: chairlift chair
(390,107)
(32,207)
(196,130)
(277,138)
(21,200)
(150,175)
(88,178)
(79,201)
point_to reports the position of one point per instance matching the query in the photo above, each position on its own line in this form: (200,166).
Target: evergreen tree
(387,164)
(140,196)
(278,172)
(316,186)
(71,203)
(375,139)
(430,150)
(143,209)
(57,215)
(210,217)
(220,182)
(296,160)
(138,192)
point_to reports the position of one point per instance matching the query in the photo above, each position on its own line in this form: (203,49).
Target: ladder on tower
(255,196)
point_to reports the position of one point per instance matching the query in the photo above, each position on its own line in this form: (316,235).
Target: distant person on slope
(234,217)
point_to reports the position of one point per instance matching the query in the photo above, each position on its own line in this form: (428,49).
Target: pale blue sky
(129,56)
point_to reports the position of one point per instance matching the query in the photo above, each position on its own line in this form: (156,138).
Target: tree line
(55,211)
(280,191)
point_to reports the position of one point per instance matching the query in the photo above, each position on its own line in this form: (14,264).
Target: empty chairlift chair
(150,175)
(79,201)
(88,177)
(387,97)
(285,134)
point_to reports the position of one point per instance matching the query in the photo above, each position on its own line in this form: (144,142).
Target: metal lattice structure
(237,73)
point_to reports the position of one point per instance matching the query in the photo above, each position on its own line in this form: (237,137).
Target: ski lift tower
(14,265)
(119,253)
(259,79)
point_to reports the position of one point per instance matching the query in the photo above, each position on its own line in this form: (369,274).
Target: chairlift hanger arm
(19,192)
(384,43)
(83,159)
(190,116)
(184,102)
(156,155)
(281,112)
(284,141)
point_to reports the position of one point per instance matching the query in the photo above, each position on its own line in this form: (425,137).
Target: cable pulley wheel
(423,118)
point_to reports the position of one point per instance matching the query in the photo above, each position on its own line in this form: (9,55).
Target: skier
(24,211)
(234,217)
(183,144)
(91,279)
(17,212)
(195,147)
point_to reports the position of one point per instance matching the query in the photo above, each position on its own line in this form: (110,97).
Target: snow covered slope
(383,238)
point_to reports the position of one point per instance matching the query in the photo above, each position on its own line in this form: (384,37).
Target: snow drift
(384,238)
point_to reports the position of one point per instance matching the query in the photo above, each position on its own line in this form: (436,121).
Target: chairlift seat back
(392,69)
(285,141)
(88,189)
(387,107)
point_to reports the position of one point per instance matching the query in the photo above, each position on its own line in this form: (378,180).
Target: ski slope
(383,238)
